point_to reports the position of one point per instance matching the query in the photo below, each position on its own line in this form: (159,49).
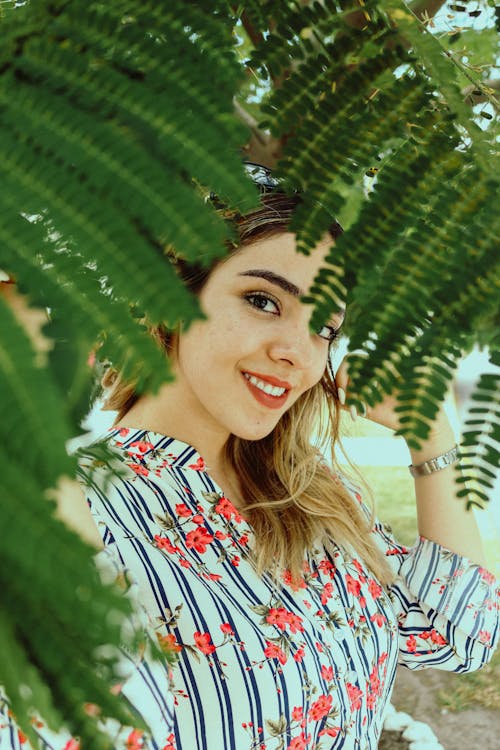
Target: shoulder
(73,510)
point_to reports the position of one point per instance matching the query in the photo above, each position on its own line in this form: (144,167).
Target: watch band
(435,464)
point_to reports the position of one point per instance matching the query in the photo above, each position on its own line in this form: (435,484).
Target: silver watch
(435,464)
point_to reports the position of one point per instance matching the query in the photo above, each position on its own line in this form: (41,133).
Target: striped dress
(266,665)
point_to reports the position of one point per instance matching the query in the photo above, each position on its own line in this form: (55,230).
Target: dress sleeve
(447,606)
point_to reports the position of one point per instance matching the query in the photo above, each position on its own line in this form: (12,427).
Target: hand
(384,412)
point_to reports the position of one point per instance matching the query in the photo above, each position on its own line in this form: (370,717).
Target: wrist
(438,442)
(436,463)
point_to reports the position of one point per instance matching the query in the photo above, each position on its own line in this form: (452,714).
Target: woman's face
(238,371)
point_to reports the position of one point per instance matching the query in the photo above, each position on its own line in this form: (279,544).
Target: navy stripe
(226,704)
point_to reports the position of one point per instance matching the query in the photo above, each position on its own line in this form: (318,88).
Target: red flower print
(182,510)
(327,567)
(326,593)
(438,638)
(273,651)
(235,560)
(354,694)
(227,509)
(295,584)
(297,713)
(142,446)
(214,576)
(170,742)
(300,742)
(353,586)
(281,618)
(70,745)
(319,646)
(92,709)
(485,637)
(139,469)
(185,563)
(243,540)
(198,539)
(220,535)
(411,644)
(295,623)
(198,466)
(327,673)
(226,628)
(378,618)
(396,551)
(202,641)
(374,588)
(134,740)
(374,681)
(320,708)
(164,543)
(299,655)
(371,700)
(198,519)
(168,642)
(486,575)
(278,616)
(358,566)
(124,431)
(330,731)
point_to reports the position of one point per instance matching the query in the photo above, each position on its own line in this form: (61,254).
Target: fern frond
(54,631)
(352,151)
(479,448)
(433,60)
(61,281)
(22,417)
(14,662)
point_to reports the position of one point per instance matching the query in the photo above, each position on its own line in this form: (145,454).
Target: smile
(266,387)
(269,395)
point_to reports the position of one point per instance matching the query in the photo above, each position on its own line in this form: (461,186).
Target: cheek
(208,348)
(318,372)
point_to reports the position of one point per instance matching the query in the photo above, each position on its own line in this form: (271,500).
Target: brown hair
(293,500)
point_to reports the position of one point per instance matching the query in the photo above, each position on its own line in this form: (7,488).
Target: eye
(328,332)
(264,302)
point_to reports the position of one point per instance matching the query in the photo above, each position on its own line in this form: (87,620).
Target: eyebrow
(287,286)
(276,279)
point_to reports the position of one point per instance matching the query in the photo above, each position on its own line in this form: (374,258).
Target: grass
(393,490)
(394,494)
(475,688)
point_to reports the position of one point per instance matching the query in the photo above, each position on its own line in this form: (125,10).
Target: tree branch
(473,95)
(262,147)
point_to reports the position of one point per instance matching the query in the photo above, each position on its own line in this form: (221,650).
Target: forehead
(278,254)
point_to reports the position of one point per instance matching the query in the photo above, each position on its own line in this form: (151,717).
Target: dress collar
(141,443)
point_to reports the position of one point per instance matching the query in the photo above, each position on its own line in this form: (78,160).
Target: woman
(287,605)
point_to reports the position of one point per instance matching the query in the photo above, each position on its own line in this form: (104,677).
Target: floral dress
(267,665)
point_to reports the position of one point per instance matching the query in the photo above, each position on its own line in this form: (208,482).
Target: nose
(293,344)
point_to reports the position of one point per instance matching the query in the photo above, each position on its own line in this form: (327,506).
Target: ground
(416,694)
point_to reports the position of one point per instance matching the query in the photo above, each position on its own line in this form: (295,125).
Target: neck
(165,413)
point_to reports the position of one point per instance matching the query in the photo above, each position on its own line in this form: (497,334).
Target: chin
(259,433)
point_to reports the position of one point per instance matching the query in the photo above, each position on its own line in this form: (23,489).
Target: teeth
(272,390)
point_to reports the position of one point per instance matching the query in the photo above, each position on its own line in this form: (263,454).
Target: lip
(270,379)
(266,399)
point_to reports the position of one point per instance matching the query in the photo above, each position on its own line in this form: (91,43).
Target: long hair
(293,499)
